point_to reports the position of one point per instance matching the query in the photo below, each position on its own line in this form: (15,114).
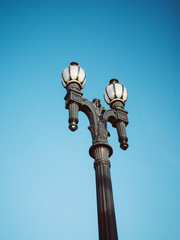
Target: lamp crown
(74,64)
(113,80)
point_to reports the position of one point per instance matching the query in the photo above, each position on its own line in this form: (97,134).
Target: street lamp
(73,79)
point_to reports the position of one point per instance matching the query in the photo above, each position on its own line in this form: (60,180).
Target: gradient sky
(47,180)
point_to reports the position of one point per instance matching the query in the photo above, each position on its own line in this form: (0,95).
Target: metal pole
(100,150)
(105,202)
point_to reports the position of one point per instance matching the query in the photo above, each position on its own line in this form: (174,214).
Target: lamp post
(73,79)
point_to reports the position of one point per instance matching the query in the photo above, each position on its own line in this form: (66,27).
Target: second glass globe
(115,91)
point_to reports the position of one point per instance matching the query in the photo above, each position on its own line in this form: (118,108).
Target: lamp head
(115,92)
(73,74)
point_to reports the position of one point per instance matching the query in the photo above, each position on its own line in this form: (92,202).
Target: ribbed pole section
(121,129)
(73,116)
(105,202)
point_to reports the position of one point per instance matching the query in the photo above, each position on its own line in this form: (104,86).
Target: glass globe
(115,91)
(73,73)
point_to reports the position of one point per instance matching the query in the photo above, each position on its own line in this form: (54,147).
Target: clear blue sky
(47,180)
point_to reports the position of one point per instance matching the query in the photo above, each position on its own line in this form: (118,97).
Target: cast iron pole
(100,150)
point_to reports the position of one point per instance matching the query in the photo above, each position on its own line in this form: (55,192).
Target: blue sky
(47,180)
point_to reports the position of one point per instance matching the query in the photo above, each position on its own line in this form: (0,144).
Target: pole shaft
(105,202)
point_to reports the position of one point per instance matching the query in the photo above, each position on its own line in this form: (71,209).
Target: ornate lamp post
(73,79)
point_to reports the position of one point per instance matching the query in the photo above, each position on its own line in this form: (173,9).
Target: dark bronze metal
(113,80)
(74,64)
(100,150)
